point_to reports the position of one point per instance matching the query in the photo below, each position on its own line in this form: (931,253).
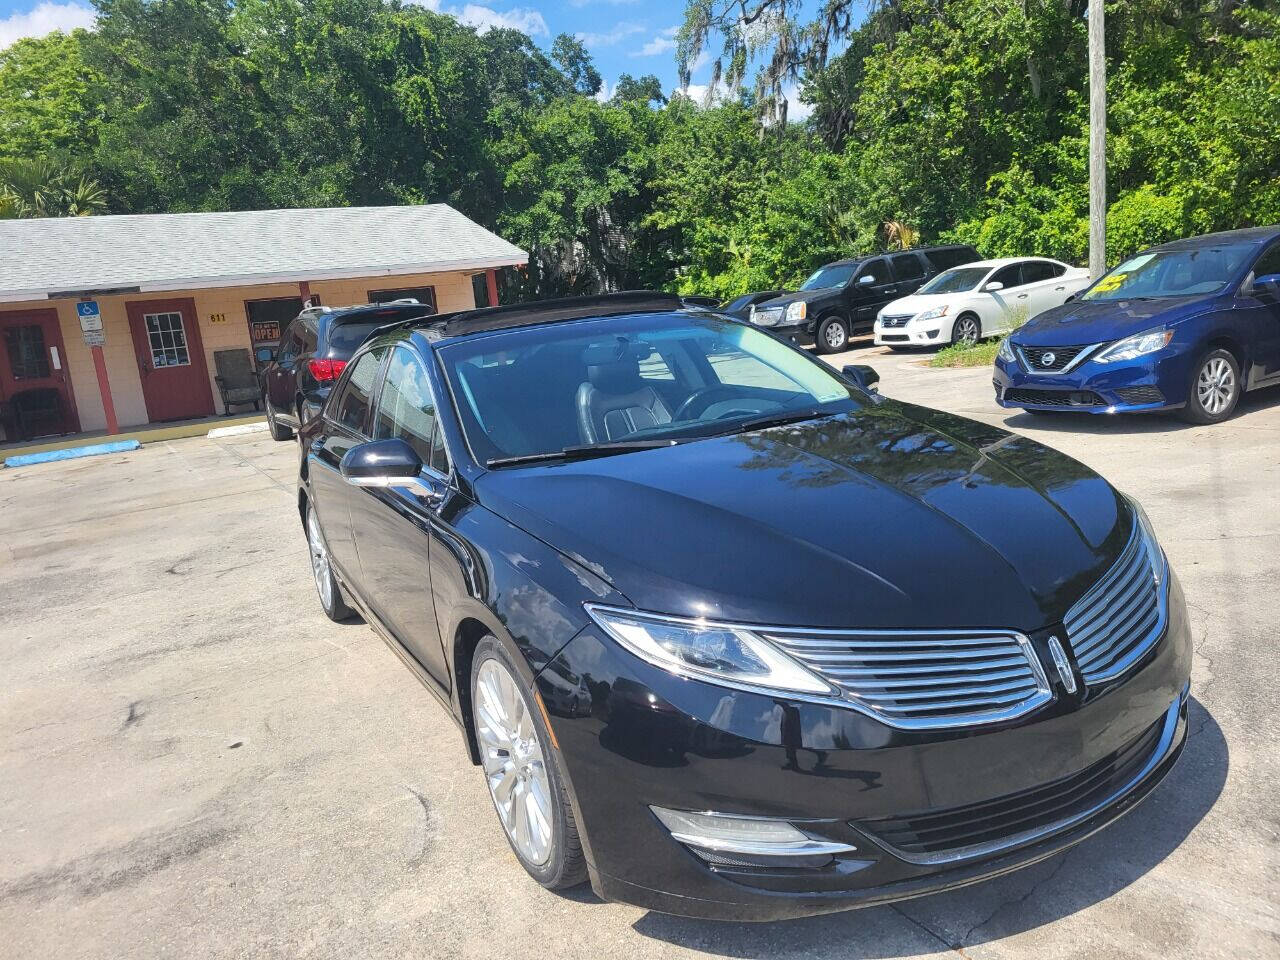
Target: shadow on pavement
(1085,875)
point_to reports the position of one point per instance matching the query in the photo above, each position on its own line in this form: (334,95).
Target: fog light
(750,840)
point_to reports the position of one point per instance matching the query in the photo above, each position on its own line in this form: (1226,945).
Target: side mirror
(385,463)
(265,354)
(1070,298)
(866,280)
(1268,283)
(863,375)
(993,286)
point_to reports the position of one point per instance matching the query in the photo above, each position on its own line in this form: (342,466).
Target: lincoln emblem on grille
(1047,358)
(1064,667)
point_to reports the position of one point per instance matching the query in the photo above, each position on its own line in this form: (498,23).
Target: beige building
(162,294)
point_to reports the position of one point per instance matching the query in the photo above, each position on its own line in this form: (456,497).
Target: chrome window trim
(1044,691)
(1158,755)
(1078,359)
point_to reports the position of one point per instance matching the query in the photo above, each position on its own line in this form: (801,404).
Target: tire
(967,329)
(1214,390)
(327,586)
(519,762)
(831,335)
(278,430)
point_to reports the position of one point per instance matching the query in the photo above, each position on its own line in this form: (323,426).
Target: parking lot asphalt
(196,763)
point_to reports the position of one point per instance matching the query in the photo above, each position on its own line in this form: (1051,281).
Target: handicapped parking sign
(89,314)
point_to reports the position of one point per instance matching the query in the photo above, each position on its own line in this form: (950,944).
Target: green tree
(42,187)
(48,99)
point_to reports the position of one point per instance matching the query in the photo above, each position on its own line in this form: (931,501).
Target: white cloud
(486,18)
(796,108)
(664,42)
(45,18)
(606,92)
(612,37)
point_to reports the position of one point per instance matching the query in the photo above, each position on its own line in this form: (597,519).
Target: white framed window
(167,337)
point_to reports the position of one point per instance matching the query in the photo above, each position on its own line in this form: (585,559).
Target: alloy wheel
(1216,385)
(966,330)
(834,337)
(513,761)
(319,561)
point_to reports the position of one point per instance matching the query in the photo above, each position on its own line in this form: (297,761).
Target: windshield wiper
(585,451)
(779,420)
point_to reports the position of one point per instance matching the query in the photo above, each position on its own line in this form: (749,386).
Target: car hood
(1083,322)
(917,302)
(895,516)
(808,296)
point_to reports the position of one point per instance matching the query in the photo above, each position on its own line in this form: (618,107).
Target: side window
(351,408)
(308,333)
(1268,263)
(877,270)
(439,461)
(405,406)
(289,343)
(907,267)
(1034,271)
(1010,276)
(654,367)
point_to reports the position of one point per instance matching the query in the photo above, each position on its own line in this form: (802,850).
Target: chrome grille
(1122,615)
(895,320)
(926,680)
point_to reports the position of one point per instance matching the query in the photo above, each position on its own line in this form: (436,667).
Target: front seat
(615,401)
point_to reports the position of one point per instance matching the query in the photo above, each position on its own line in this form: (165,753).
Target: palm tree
(900,236)
(41,187)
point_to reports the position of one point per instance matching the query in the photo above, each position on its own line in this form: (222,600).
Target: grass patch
(981,354)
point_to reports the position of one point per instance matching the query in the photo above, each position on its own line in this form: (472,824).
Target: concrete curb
(71,453)
(260,427)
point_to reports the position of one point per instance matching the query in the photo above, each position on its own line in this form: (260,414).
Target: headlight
(797,311)
(1159,562)
(1005,352)
(933,314)
(716,652)
(1146,342)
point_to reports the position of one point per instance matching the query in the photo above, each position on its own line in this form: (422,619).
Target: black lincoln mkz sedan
(728,633)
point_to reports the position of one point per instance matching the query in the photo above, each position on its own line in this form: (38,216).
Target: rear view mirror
(265,354)
(385,463)
(993,286)
(863,375)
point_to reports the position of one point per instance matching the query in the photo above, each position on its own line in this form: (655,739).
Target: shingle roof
(174,251)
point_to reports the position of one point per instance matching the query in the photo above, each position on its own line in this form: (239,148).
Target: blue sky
(624,36)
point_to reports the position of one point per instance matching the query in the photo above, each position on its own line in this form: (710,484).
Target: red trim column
(304,291)
(491,281)
(104,388)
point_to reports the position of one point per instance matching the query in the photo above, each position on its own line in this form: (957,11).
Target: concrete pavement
(196,763)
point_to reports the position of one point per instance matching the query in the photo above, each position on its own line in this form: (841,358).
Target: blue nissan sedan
(1187,326)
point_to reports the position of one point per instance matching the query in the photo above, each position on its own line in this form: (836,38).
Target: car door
(281,373)
(909,271)
(1264,319)
(1012,303)
(1039,278)
(395,527)
(346,424)
(866,297)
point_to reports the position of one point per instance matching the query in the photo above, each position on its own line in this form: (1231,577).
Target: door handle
(1022,296)
(1063,287)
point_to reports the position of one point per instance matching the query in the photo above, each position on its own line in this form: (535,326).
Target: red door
(175,378)
(34,385)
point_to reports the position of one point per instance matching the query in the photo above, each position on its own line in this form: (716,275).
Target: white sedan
(976,300)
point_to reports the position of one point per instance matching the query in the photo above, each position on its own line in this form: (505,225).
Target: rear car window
(948,257)
(345,337)
(351,408)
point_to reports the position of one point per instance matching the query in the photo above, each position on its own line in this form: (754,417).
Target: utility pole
(1097,141)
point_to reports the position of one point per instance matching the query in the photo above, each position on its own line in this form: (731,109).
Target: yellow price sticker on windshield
(1110,282)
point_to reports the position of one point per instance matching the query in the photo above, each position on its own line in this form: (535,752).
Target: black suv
(843,298)
(313,352)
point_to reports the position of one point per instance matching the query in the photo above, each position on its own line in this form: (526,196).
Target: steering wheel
(701,399)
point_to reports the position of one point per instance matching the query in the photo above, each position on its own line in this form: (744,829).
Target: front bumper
(632,736)
(1144,385)
(912,334)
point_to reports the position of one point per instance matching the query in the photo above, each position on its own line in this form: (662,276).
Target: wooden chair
(236,379)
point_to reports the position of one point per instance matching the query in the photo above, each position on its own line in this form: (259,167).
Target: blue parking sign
(87,308)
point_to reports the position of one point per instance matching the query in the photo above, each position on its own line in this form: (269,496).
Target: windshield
(540,390)
(1172,273)
(959,280)
(832,275)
